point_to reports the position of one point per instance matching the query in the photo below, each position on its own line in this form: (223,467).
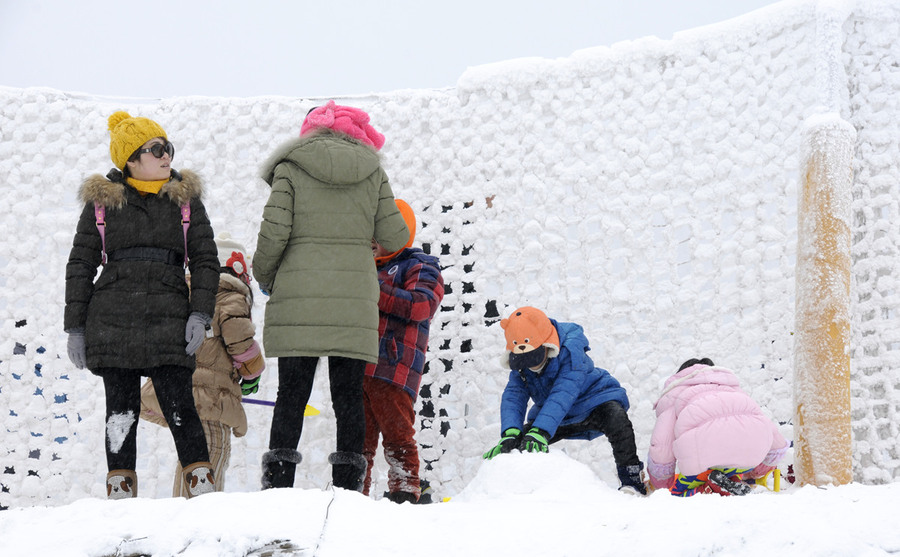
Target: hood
(181,188)
(414,253)
(699,374)
(327,157)
(229,282)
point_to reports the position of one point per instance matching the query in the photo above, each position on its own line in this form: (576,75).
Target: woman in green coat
(330,198)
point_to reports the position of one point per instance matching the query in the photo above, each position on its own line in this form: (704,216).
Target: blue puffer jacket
(565,392)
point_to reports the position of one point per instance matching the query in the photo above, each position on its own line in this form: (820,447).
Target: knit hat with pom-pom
(233,256)
(345,119)
(127,135)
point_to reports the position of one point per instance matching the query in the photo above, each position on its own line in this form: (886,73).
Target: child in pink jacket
(712,431)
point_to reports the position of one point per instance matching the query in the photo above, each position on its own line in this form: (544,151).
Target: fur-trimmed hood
(181,188)
(230,282)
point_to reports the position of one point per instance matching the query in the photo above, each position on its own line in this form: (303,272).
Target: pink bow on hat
(345,119)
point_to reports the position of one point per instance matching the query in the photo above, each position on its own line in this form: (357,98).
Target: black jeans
(295,383)
(612,420)
(123,406)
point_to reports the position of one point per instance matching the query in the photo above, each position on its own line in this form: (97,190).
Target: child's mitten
(249,386)
(250,364)
(535,441)
(508,442)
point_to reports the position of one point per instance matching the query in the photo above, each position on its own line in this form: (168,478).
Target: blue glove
(197,329)
(250,386)
(76,349)
(508,442)
(535,441)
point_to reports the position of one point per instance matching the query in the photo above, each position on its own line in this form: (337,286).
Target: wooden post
(822,430)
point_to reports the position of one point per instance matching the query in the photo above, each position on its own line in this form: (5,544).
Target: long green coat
(135,314)
(329,198)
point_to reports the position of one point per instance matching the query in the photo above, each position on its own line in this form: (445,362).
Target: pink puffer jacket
(705,420)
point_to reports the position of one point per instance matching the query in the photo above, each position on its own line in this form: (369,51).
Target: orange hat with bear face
(528,330)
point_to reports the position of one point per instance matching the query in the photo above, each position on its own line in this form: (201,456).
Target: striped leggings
(688,486)
(218,440)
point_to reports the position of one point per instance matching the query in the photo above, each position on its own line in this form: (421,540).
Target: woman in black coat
(143,222)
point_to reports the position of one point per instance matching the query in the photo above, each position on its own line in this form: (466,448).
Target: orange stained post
(822,429)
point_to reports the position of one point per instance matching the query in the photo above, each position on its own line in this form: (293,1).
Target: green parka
(329,198)
(134,316)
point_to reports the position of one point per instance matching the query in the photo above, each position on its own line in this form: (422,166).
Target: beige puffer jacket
(217,392)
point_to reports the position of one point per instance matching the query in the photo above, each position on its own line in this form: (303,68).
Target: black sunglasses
(158,149)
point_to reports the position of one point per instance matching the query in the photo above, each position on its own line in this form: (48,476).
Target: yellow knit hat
(127,134)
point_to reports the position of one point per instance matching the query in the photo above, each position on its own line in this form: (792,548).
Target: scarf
(144,188)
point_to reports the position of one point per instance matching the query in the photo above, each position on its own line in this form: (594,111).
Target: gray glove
(196,331)
(76,349)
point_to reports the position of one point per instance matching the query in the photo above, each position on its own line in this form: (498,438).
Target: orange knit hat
(410,218)
(528,329)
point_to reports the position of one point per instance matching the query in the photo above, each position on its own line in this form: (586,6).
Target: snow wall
(647,191)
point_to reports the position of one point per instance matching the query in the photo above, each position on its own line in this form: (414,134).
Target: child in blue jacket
(573,399)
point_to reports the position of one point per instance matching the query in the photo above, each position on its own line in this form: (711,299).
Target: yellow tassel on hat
(128,134)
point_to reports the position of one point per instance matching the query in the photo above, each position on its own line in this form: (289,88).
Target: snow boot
(720,483)
(279,467)
(348,470)
(199,479)
(401,497)
(632,479)
(425,497)
(121,484)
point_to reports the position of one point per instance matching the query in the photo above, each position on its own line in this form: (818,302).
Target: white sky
(300,48)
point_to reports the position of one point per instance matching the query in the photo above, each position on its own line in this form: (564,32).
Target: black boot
(279,467)
(401,497)
(632,480)
(348,470)
(425,497)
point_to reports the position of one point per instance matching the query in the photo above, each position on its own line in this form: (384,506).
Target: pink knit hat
(345,119)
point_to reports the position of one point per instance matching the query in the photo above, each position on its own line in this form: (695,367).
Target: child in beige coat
(229,364)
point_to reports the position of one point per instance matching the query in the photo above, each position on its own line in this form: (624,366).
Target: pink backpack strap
(100,215)
(185,223)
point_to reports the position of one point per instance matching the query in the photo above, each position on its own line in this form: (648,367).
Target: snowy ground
(679,200)
(518,504)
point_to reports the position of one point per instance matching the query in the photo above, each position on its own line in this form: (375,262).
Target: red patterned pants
(390,413)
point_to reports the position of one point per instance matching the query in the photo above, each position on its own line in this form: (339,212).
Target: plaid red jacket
(411,291)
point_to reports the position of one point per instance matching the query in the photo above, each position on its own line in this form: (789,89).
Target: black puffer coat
(134,316)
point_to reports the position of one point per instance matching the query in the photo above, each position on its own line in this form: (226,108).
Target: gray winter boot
(199,479)
(279,467)
(348,470)
(121,484)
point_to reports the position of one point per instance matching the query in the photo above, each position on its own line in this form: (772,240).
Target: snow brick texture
(646,191)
